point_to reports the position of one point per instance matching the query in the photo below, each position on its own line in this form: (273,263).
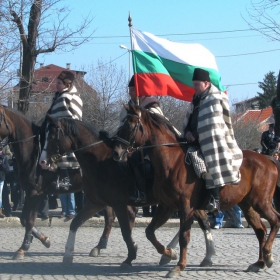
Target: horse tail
(276,196)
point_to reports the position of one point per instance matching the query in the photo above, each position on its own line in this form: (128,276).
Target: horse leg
(173,243)
(27,219)
(204,224)
(86,212)
(254,220)
(186,219)
(45,240)
(272,216)
(109,216)
(126,229)
(161,215)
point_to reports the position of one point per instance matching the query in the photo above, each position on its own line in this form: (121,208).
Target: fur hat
(200,75)
(131,82)
(66,75)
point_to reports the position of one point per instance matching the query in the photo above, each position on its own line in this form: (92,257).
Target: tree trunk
(26,80)
(278,88)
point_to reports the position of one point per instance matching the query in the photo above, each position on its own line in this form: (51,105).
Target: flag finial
(129,20)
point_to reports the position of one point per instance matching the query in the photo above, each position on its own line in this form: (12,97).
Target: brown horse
(177,185)
(23,136)
(108,183)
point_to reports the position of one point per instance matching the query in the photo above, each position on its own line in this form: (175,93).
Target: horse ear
(125,107)
(133,107)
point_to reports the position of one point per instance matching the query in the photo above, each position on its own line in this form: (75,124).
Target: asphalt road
(236,249)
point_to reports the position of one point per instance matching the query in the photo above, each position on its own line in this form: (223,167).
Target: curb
(99,223)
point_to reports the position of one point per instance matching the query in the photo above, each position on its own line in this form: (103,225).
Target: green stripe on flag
(151,63)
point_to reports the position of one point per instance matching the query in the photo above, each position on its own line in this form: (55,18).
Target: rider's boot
(214,202)
(140,196)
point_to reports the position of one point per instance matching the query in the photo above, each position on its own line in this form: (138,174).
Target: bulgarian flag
(162,67)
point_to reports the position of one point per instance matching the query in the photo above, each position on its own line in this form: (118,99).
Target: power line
(174,34)
(240,84)
(230,55)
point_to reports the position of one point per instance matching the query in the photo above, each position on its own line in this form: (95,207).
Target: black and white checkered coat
(67,104)
(222,155)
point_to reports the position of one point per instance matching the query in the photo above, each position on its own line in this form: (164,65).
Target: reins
(175,144)
(131,143)
(56,157)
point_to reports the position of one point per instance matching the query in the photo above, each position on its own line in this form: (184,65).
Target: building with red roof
(44,88)
(258,117)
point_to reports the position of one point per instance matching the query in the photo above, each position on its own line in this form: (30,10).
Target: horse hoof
(18,256)
(175,272)
(252,268)
(173,254)
(206,263)
(135,246)
(269,260)
(68,259)
(125,266)
(94,252)
(47,242)
(164,260)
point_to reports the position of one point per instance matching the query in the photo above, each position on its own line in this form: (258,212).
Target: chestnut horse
(23,136)
(107,183)
(176,183)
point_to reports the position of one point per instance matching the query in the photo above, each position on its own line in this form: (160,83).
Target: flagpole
(130,54)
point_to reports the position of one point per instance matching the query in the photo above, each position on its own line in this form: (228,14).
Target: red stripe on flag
(157,84)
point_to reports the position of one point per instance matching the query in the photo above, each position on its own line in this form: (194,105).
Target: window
(45,79)
(31,99)
(47,99)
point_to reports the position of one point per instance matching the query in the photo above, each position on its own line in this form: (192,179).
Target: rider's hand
(189,136)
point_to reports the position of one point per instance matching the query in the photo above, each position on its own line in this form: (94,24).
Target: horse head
(56,141)
(131,134)
(5,124)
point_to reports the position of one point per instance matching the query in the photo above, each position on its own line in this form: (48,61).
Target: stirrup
(213,205)
(141,197)
(64,183)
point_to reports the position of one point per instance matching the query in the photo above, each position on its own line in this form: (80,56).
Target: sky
(243,56)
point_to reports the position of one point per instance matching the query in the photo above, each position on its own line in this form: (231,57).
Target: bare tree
(246,132)
(41,27)
(103,108)
(174,110)
(264,17)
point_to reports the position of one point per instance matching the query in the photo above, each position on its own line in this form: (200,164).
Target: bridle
(57,156)
(131,142)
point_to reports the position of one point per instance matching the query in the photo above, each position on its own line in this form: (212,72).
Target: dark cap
(200,75)
(66,75)
(271,125)
(131,82)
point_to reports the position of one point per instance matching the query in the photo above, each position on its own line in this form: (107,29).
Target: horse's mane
(71,127)
(159,121)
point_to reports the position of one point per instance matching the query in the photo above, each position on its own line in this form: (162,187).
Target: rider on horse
(67,103)
(208,126)
(138,159)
